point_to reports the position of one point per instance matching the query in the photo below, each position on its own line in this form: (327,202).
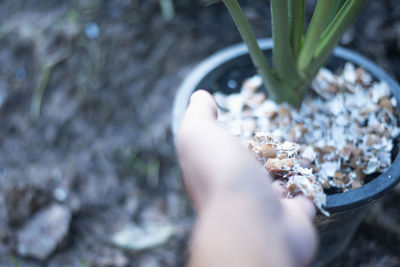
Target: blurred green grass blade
(14,261)
(43,79)
(167,9)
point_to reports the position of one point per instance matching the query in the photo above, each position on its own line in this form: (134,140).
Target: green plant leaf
(284,63)
(333,33)
(276,89)
(335,9)
(338,26)
(296,23)
(317,26)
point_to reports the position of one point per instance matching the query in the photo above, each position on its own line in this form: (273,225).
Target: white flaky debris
(345,127)
(380,90)
(328,169)
(349,73)
(372,166)
(282,160)
(308,188)
(309,153)
(252,84)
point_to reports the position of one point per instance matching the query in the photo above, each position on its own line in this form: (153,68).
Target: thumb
(201,106)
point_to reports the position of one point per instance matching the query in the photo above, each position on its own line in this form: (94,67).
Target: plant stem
(284,64)
(296,23)
(276,89)
(317,26)
(317,63)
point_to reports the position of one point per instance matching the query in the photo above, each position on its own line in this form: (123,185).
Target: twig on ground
(167,9)
(44,76)
(39,91)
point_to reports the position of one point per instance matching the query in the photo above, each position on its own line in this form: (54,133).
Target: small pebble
(92,30)
(60,194)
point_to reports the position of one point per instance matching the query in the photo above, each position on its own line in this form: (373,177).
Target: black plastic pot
(224,72)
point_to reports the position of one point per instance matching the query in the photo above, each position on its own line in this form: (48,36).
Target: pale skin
(242,218)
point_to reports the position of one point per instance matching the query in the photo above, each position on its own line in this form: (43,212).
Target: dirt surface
(85,97)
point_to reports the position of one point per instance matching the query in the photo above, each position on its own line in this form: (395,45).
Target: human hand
(242,218)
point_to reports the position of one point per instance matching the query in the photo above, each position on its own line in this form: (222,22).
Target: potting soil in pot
(342,132)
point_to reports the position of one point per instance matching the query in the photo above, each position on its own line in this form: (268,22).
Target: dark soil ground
(90,117)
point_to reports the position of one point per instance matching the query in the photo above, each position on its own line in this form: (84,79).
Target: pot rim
(335,202)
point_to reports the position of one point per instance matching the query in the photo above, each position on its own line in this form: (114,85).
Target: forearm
(238,214)
(243,233)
